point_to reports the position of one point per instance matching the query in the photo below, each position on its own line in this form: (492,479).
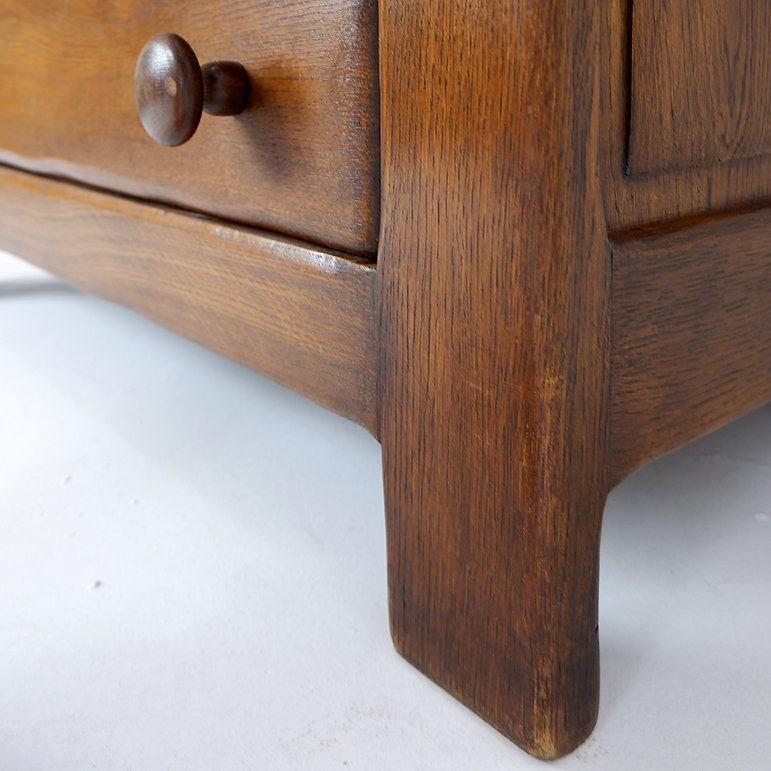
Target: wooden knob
(172,89)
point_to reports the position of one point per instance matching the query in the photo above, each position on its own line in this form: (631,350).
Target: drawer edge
(302,316)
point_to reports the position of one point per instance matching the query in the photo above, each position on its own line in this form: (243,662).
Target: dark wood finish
(225,88)
(302,159)
(168,88)
(172,89)
(701,71)
(493,284)
(302,316)
(634,200)
(691,341)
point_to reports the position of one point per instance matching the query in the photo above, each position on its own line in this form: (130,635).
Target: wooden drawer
(686,109)
(303,159)
(699,83)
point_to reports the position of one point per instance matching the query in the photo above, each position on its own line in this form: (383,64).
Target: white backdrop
(192,575)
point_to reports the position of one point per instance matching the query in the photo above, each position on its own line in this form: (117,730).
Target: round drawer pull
(172,89)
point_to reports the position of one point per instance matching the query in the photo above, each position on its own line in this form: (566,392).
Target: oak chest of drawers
(526,244)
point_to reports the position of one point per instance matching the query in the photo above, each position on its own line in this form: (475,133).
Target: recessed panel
(700,83)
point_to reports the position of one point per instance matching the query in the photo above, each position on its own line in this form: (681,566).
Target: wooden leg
(492,594)
(493,290)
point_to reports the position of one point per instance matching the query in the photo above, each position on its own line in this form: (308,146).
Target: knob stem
(225,88)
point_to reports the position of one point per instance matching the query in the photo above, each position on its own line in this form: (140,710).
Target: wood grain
(635,200)
(493,284)
(481,351)
(691,339)
(302,160)
(700,92)
(299,315)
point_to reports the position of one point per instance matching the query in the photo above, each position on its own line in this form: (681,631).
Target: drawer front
(685,110)
(302,159)
(700,83)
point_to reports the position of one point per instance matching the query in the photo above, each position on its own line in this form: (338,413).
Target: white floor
(192,575)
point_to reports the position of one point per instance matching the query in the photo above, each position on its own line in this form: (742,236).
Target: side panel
(691,334)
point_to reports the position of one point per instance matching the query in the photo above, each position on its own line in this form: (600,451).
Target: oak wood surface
(493,286)
(697,187)
(510,379)
(691,333)
(303,159)
(300,315)
(700,83)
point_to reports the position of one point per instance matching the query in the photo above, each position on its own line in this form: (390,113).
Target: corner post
(493,290)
